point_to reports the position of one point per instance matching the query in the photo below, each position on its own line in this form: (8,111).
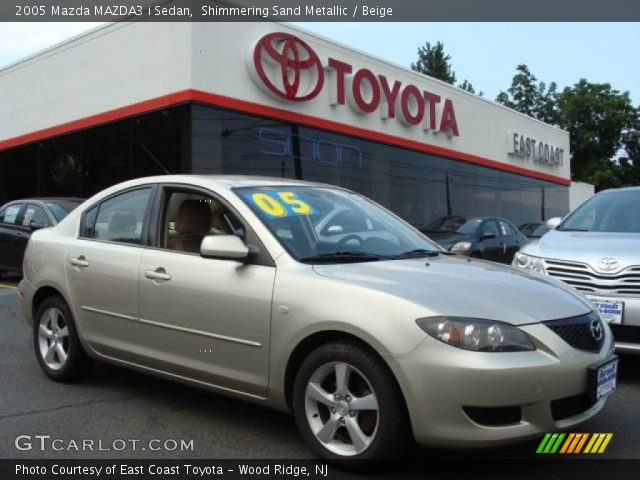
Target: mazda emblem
(596,330)
(607,264)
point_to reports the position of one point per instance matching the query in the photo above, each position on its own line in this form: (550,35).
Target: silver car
(596,249)
(371,340)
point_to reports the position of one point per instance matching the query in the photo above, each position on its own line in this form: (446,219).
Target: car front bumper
(440,382)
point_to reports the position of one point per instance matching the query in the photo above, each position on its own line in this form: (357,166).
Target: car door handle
(157,274)
(80,261)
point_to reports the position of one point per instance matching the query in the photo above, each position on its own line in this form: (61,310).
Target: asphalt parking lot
(115,403)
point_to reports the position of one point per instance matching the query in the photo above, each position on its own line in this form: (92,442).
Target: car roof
(236,181)
(622,189)
(48,199)
(223,181)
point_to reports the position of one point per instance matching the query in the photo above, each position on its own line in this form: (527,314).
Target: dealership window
(206,140)
(417,186)
(82,163)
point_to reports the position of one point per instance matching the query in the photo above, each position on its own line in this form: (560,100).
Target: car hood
(587,247)
(459,286)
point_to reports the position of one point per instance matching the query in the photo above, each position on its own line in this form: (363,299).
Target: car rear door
(13,237)
(102,271)
(203,318)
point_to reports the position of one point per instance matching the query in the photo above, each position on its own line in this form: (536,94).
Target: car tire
(343,424)
(55,339)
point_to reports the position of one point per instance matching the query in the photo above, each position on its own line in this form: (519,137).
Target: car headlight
(476,334)
(461,247)
(523,260)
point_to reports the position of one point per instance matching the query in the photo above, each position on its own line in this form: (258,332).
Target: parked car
(489,238)
(370,339)
(18,219)
(533,230)
(596,250)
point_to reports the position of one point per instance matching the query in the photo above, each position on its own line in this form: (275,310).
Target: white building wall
(578,193)
(120,65)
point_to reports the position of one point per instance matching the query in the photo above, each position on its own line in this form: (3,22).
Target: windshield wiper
(573,229)
(343,256)
(417,253)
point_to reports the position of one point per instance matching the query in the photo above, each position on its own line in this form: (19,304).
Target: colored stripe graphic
(567,443)
(550,443)
(573,443)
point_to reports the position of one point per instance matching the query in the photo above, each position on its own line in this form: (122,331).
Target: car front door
(201,318)
(511,241)
(12,237)
(489,243)
(102,272)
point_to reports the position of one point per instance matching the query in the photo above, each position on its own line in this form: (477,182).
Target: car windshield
(614,211)
(61,208)
(539,231)
(534,230)
(321,224)
(462,225)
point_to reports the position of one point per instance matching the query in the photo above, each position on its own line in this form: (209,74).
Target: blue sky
(486,54)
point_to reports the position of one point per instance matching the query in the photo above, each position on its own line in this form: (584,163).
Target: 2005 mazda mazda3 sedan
(370,333)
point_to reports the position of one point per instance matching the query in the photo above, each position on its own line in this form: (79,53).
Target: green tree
(434,62)
(629,161)
(467,86)
(533,98)
(603,128)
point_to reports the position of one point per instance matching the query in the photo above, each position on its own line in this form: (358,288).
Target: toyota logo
(607,264)
(287,67)
(596,330)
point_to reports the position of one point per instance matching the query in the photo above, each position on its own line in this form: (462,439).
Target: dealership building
(134,99)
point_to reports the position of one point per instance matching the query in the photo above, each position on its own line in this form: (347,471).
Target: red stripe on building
(277,113)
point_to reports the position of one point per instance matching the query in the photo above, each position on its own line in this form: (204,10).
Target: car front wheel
(56,342)
(348,405)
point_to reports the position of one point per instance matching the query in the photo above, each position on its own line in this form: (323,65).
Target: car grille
(582,277)
(577,331)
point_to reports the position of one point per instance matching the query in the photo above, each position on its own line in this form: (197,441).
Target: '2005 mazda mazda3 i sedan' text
(370,334)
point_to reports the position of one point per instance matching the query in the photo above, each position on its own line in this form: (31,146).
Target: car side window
(121,218)
(490,227)
(506,229)
(35,214)
(10,214)
(190,216)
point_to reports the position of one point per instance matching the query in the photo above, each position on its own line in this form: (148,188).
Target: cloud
(18,40)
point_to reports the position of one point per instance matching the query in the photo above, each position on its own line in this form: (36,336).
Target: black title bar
(319,11)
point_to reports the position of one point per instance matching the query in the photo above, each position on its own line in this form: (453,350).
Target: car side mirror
(224,247)
(33,225)
(335,230)
(487,236)
(552,223)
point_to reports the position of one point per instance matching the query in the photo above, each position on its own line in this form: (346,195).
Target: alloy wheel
(53,338)
(341,408)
